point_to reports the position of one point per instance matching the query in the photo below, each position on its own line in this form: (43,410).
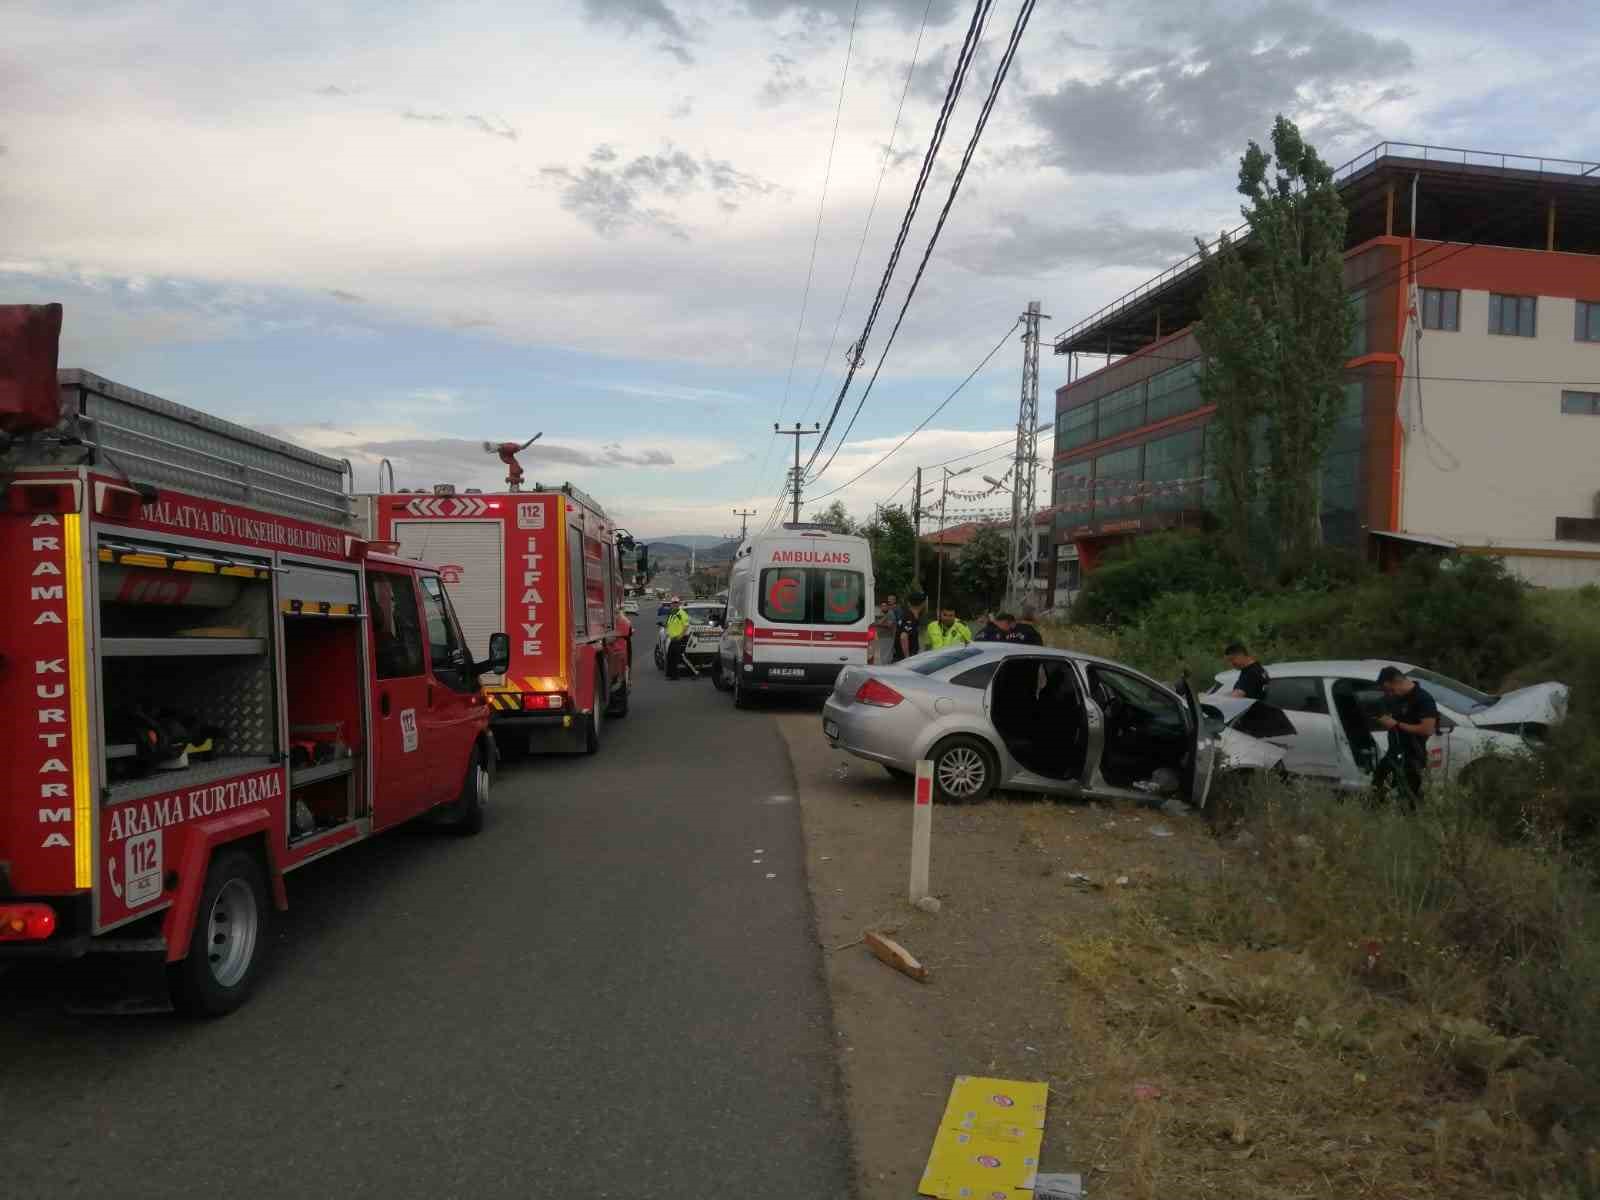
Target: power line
(925,420)
(980,16)
(1017,30)
(883,170)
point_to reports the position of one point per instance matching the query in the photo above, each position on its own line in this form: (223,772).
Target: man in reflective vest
(947,631)
(677,635)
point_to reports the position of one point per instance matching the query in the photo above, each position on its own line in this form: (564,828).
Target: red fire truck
(208,680)
(543,564)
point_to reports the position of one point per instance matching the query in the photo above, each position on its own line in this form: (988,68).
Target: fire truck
(207,678)
(544,564)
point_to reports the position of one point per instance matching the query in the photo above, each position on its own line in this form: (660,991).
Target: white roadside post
(921,830)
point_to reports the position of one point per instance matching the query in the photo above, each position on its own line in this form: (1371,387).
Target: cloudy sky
(398,228)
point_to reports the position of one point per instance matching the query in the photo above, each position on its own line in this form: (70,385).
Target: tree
(893,542)
(984,565)
(834,518)
(1275,332)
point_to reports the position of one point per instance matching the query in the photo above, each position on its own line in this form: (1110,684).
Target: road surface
(600,996)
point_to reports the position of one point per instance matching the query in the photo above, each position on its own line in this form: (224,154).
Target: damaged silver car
(998,715)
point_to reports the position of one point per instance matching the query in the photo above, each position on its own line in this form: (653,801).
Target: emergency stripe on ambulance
(780,637)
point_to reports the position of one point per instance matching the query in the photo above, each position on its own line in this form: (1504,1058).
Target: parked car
(630,606)
(1002,715)
(1334,707)
(705,635)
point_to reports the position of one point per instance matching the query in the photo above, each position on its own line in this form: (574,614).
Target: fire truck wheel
(465,816)
(229,939)
(620,698)
(591,739)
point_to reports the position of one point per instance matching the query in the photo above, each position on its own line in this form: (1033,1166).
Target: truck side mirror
(499,656)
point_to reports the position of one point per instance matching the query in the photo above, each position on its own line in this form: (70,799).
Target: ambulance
(800,610)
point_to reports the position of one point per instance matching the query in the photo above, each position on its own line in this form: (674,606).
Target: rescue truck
(799,612)
(207,679)
(544,564)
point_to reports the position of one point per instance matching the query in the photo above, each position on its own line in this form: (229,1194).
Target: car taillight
(542,702)
(26,922)
(749,640)
(878,694)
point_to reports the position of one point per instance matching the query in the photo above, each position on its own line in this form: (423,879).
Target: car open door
(1202,763)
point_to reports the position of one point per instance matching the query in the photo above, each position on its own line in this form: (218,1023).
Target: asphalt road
(600,996)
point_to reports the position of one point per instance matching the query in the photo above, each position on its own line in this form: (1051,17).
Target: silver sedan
(1001,715)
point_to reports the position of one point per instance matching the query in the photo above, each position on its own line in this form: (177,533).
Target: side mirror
(499,656)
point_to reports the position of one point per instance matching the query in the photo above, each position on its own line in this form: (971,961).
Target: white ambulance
(799,611)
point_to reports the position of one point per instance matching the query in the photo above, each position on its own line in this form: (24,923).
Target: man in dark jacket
(1252,681)
(1412,717)
(1017,632)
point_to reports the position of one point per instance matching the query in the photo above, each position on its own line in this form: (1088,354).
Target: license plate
(788,672)
(830,729)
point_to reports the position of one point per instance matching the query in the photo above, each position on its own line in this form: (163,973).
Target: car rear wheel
(741,694)
(964,770)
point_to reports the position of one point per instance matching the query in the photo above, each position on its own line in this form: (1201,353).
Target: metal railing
(1446,155)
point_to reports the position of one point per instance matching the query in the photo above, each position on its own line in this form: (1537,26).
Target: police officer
(677,635)
(947,631)
(1412,717)
(1252,681)
(1021,633)
(908,626)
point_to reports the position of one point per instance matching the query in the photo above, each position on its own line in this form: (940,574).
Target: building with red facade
(1472,390)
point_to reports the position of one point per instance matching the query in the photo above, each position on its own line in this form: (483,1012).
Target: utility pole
(1024,552)
(944,495)
(916,533)
(744,515)
(796,478)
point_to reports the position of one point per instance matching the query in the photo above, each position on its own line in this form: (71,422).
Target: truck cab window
(446,650)
(396,629)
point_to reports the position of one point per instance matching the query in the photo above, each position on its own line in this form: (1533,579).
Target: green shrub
(1138,573)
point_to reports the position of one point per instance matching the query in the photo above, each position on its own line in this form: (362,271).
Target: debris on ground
(989,1139)
(889,951)
(929,904)
(1058,1187)
(1160,831)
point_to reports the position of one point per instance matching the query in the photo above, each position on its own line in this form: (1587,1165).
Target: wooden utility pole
(744,515)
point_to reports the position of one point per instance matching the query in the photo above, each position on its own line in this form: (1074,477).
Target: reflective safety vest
(957,635)
(678,624)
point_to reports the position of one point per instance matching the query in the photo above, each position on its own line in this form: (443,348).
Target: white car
(630,606)
(705,634)
(1334,706)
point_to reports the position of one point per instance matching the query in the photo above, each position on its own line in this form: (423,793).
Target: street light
(996,483)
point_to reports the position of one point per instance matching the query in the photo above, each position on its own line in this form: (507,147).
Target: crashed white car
(1334,707)
(1000,715)
(704,637)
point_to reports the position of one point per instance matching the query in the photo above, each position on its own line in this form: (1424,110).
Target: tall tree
(835,518)
(893,541)
(984,564)
(1275,332)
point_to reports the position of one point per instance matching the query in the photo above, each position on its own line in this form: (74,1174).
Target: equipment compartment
(187,677)
(323,635)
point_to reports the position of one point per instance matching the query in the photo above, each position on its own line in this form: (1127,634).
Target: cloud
(785,83)
(681,108)
(612,197)
(905,12)
(640,16)
(1019,245)
(346,297)
(494,128)
(1192,104)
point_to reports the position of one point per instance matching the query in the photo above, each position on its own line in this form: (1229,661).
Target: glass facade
(1122,410)
(1358,334)
(1176,456)
(1169,394)
(1075,427)
(1174,391)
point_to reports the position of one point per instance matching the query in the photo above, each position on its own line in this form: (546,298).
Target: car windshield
(930,664)
(704,614)
(1452,693)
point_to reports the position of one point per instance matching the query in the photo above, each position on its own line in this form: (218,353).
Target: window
(1304,695)
(812,596)
(1169,459)
(575,582)
(929,664)
(1441,308)
(1358,329)
(1174,391)
(1122,410)
(977,677)
(1585,404)
(1116,479)
(1512,316)
(445,649)
(396,629)
(1586,326)
(1075,427)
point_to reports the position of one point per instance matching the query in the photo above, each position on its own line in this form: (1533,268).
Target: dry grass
(1267,1030)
